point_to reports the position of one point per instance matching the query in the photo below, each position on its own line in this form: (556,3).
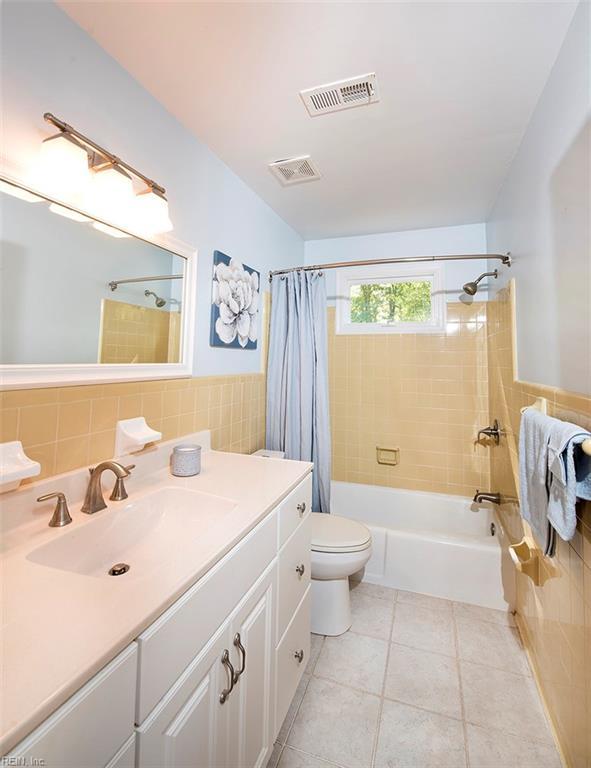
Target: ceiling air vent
(294,170)
(343,94)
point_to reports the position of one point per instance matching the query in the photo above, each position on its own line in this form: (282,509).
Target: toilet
(340,548)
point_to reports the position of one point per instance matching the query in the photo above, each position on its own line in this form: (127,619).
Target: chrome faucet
(495,432)
(480,496)
(94,501)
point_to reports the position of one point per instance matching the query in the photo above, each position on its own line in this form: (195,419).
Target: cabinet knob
(299,655)
(300,570)
(301,508)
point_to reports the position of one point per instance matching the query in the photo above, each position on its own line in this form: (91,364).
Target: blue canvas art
(234,304)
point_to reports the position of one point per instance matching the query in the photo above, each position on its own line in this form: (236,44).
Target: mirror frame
(33,376)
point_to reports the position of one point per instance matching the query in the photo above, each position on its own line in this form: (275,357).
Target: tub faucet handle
(495,432)
(480,496)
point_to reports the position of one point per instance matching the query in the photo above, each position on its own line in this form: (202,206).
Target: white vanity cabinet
(207,684)
(213,718)
(94,728)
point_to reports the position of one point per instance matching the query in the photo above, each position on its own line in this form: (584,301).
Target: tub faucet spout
(481,496)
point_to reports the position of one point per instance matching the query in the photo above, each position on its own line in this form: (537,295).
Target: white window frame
(392,273)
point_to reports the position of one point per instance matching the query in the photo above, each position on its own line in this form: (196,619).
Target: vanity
(191,656)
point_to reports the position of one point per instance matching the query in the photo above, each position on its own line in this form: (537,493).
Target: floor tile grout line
(295,714)
(461,689)
(381,700)
(314,755)
(458,719)
(423,650)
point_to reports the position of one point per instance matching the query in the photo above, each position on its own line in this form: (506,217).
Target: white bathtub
(428,542)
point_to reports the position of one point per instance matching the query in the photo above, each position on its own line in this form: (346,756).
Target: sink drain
(119,569)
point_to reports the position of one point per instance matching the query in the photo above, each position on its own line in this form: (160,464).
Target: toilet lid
(331,533)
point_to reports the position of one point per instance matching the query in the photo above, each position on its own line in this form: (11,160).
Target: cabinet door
(189,727)
(253,627)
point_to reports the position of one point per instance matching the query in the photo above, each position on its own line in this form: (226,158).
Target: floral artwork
(235,304)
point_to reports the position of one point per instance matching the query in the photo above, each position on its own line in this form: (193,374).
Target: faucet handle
(119,492)
(61,513)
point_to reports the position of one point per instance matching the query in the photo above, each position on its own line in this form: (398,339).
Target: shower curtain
(297,377)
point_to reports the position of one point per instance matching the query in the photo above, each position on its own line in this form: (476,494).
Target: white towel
(534,436)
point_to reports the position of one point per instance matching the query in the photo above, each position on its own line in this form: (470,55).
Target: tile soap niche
(133,435)
(15,466)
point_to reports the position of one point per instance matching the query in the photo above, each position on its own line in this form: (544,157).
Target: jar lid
(186,448)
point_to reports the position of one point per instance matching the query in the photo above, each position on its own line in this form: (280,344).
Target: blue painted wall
(49,64)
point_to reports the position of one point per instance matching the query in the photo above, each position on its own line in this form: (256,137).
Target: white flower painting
(235,303)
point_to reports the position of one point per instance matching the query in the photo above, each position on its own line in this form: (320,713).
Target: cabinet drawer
(168,646)
(90,728)
(289,669)
(294,509)
(292,586)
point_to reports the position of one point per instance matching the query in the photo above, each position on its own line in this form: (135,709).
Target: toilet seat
(332,533)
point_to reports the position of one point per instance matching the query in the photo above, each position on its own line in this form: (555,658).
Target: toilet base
(331,607)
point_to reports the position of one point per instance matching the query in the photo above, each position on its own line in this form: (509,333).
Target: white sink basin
(143,533)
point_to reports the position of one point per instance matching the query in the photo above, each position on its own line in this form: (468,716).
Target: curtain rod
(504,258)
(114,283)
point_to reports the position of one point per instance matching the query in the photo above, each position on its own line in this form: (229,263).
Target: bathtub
(439,545)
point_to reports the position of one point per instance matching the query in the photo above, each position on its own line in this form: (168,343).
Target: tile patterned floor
(417,682)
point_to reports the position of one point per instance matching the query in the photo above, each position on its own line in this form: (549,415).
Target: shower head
(157,299)
(472,287)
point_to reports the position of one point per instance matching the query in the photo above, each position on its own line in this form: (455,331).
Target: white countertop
(59,628)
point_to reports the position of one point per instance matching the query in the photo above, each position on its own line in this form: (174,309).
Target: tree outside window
(393,302)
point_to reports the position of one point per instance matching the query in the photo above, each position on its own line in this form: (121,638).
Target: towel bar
(541,404)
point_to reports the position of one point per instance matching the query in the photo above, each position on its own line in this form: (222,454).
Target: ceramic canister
(186,460)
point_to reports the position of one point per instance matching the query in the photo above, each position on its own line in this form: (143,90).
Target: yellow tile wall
(70,427)
(134,334)
(554,618)
(424,393)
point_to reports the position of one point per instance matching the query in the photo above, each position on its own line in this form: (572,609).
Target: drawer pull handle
(242,650)
(300,570)
(301,508)
(299,655)
(230,669)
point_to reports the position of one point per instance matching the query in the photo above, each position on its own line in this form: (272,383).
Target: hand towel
(534,437)
(570,475)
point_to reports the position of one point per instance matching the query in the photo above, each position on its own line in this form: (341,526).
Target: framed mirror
(83,302)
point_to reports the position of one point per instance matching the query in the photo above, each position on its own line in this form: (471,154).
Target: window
(391,298)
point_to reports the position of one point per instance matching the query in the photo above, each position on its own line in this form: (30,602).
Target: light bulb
(67,213)
(109,230)
(151,213)
(62,169)
(22,194)
(111,195)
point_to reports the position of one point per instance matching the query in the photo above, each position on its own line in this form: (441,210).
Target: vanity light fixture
(111,194)
(62,168)
(152,211)
(79,171)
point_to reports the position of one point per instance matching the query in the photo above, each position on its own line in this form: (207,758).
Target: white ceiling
(458,82)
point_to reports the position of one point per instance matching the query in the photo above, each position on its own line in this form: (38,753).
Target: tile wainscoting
(424,393)
(554,618)
(70,427)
